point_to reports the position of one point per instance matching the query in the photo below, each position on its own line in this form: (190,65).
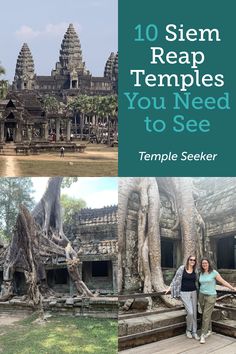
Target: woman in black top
(184,286)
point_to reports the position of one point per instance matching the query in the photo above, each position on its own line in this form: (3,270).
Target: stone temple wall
(217,205)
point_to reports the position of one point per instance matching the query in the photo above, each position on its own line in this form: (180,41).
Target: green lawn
(60,334)
(63,168)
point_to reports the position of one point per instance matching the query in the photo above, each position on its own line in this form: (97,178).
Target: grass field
(60,335)
(64,168)
(97,160)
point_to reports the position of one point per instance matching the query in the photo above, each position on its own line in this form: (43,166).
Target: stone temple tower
(108,71)
(70,60)
(111,69)
(24,75)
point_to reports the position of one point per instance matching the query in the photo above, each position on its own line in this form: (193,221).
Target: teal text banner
(177,88)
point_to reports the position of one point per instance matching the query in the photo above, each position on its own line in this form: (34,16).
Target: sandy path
(11,169)
(7,319)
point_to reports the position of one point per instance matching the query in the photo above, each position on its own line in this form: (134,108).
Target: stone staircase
(224,320)
(150,327)
(147,327)
(9,149)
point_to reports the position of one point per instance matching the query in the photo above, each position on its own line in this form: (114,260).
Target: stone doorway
(98,274)
(226,252)
(167,253)
(10,132)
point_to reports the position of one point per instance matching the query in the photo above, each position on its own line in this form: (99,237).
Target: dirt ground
(93,162)
(7,319)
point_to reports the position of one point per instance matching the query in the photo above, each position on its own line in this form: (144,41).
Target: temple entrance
(167,253)
(226,252)
(10,130)
(98,274)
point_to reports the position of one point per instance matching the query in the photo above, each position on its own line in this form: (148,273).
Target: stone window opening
(57,277)
(74,84)
(100,269)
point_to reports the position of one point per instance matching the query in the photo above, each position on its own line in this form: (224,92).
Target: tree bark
(36,236)
(180,194)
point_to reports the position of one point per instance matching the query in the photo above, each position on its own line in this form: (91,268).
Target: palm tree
(3,84)
(94,106)
(82,105)
(111,102)
(51,105)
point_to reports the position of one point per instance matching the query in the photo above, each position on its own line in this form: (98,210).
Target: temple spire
(70,59)
(108,71)
(71,53)
(24,73)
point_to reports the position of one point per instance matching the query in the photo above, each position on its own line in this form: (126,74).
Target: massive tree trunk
(23,253)
(36,236)
(191,223)
(180,193)
(149,248)
(47,212)
(48,215)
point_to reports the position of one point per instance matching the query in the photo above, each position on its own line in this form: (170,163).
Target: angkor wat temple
(22,114)
(70,76)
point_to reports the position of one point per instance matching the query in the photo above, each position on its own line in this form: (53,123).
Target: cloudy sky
(96,191)
(42,25)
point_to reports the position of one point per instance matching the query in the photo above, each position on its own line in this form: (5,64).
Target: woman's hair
(187,262)
(210,269)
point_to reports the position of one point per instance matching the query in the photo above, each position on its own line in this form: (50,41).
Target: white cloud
(50,30)
(26,32)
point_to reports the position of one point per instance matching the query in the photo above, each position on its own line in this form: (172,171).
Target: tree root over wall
(148,234)
(36,236)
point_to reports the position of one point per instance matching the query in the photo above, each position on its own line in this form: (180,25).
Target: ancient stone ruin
(161,222)
(35,112)
(185,215)
(47,268)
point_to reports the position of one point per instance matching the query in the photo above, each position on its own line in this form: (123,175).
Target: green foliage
(3,84)
(13,192)
(60,335)
(51,104)
(101,106)
(3,88)
(2,70)
(70,206)
(67,181)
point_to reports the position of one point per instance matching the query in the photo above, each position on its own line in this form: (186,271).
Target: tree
(2,70)
(3,84)
(180,192)
(99,107)
(70,206)
(51,104)
(67,181)
(37,235)
(13,192)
